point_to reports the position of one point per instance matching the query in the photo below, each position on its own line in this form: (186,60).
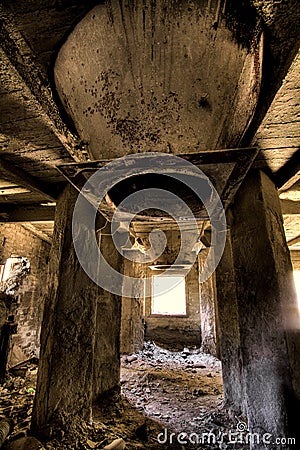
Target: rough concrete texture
(80,333)
(208,313)
(28,309)
(132,324)
(228,325)
(64,386)
(106,362)
(25,443)
(164,76)
(268,315)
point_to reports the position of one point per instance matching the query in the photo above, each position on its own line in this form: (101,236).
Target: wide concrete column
(64,385)
(267,308)
(229,331)
(106,364)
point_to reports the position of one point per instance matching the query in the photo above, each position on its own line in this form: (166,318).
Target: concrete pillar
(132,326)
(209,338)
(79,357)
(106,365)
(229,332)
(267,308)
(64,385)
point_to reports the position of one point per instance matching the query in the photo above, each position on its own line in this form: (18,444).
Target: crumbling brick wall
(15,240)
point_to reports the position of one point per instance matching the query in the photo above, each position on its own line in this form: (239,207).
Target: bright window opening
(168,295)
(297,284)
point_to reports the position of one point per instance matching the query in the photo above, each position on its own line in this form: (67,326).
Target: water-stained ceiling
(187,75)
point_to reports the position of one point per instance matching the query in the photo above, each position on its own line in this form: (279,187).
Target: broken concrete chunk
(117,444)
(92,444)
(5,427)
(199,366)
(25,443)
(131,358)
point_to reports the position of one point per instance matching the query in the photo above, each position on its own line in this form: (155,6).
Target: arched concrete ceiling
(161,76)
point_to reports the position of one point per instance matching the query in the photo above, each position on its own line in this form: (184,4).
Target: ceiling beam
(13,173)
(294,241)
(24,62)
(289,207)
(289,174)
(38,233)
(26,213)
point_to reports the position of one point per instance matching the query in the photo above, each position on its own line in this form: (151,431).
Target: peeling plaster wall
(16,240)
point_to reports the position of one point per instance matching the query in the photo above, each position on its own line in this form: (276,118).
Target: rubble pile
(182,391)
(162,392)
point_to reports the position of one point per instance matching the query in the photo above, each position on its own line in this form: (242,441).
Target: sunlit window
(168,295)
(297,284)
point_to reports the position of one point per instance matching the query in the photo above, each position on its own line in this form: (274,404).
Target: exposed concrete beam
(27,213)
(12,173)
(33,76)
(38,233)
(295,257)
(289,207)
(289,174)
(294,241)
(290,183)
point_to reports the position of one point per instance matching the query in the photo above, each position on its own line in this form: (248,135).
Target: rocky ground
(163,392)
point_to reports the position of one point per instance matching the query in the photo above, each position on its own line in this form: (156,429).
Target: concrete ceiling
(37,133)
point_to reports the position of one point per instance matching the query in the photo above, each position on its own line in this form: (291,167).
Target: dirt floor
(169,400)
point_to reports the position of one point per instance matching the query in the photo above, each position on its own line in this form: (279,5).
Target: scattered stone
(5,427)
(198,392)
(25,443)
(117,444)
(92,444)
(199,366)
(131,358)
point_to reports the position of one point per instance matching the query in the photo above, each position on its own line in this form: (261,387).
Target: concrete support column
(64,385)
(132,327)
(267,307)
(106,365)
(229,332)
(80,357)
(209,338)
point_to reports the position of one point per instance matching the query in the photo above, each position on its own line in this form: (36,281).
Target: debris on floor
(182,391)
(166,398)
